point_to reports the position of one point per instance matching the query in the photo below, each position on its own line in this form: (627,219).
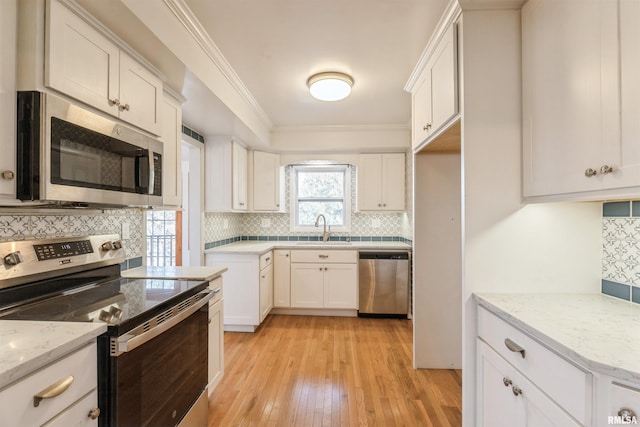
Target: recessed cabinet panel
(381,182)
(80,61)
(339,291)
(307,285)
(171,152)
(140,95)
(266,181)
(282,278)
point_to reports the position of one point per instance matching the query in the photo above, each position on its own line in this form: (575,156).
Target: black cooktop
(121,303)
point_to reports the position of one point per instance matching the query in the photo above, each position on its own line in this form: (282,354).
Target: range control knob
(117,244)
(105,316)
(14,258)
(106,247)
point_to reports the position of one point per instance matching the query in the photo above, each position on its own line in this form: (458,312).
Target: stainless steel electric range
(152,361)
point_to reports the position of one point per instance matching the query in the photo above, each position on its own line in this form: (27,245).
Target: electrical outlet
(265,223)
(375,223)
(225,223)
(126,231)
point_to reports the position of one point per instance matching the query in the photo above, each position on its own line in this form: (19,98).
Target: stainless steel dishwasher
(384,283)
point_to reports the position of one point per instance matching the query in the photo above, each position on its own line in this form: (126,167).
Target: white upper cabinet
(381,182)
(86,65)
(225,175)
(266,181)
(171,152)
(8,99)
(581,99)
(435,93)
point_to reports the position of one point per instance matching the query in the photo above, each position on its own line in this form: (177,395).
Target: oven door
(156,382)
(70,154)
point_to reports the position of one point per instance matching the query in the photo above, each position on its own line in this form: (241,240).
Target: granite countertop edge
(39,344)
(175,272)
(594,354)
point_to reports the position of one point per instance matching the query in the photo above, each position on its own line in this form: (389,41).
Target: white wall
(341,139)
(508,246)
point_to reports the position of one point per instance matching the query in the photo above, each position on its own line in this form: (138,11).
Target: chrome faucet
(325,233)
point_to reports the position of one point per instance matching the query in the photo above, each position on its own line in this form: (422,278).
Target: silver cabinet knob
(114,101)
(506,381)
(427,126)
(125,107)
(590,172)
(8,175)
(14,258)
(516,390)
(94,413)
(606,169)
(626,414)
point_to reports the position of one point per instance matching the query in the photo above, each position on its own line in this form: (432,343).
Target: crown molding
(341,128)
(449,17)
(193,26)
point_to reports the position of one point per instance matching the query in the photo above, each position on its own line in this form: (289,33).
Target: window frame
(346,170)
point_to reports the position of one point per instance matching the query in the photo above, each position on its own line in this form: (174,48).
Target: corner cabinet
(434,90)
(324,279)
(86,65)
(381,182)
(282,278)
(8,29)
(171,152)
(581,100)
(265,182)
(225,175)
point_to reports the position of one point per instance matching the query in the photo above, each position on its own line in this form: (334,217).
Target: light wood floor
(329,371)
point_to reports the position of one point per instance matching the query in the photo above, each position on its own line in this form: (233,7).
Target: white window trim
(293,181)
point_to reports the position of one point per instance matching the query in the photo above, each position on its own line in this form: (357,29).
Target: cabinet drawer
(16,401)
(266,259)
(624,397)
(565,383)
(314,255)
(79,415)
(216,286)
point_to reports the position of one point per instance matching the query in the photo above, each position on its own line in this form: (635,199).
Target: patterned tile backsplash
(621,250)
(41,224)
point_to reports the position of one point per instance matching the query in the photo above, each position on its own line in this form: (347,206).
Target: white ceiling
(275,45)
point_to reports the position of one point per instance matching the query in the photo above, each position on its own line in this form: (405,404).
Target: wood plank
(331,371)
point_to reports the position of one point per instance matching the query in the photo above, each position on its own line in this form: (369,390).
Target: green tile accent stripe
(616,209)
(617,290)
(131,263)
(635,208)
(218,243)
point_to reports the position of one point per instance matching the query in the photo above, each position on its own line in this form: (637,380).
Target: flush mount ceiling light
(330,86)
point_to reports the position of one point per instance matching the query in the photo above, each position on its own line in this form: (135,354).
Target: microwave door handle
(152,173)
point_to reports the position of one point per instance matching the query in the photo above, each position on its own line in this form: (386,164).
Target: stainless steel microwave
(69,155)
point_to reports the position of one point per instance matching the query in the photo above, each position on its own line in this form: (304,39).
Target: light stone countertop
(599,332)
(26,346)
(260,247)
(183,273)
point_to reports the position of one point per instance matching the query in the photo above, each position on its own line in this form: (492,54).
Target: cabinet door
(444,80)
(369,182)
(624,154)
(171,152)
(506,398)
(266,181)
(140,95)
(307,285)
(393,181)
(562,99)
(341,286)
(281,278)
(421,100)
(266,291)
(8,17)
(239,177)
(216,345)
(81,62)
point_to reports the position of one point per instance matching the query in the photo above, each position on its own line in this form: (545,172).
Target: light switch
(375,223)
(265,223)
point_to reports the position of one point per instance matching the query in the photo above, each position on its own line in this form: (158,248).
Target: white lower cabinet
(332,283)
(282,278)
(76,377)
(266,287)
(215,366)
(507,398)
(242,305)
(520,382)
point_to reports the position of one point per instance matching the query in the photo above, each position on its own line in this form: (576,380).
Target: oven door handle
(129,342)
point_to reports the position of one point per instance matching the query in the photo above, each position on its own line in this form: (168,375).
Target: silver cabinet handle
(516,390)
(590,172)
(217,290)
(606,169)
(323,256)
(54,390)
(94,413)
(427,126)
(512,346)
(506,381)
(267,259)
